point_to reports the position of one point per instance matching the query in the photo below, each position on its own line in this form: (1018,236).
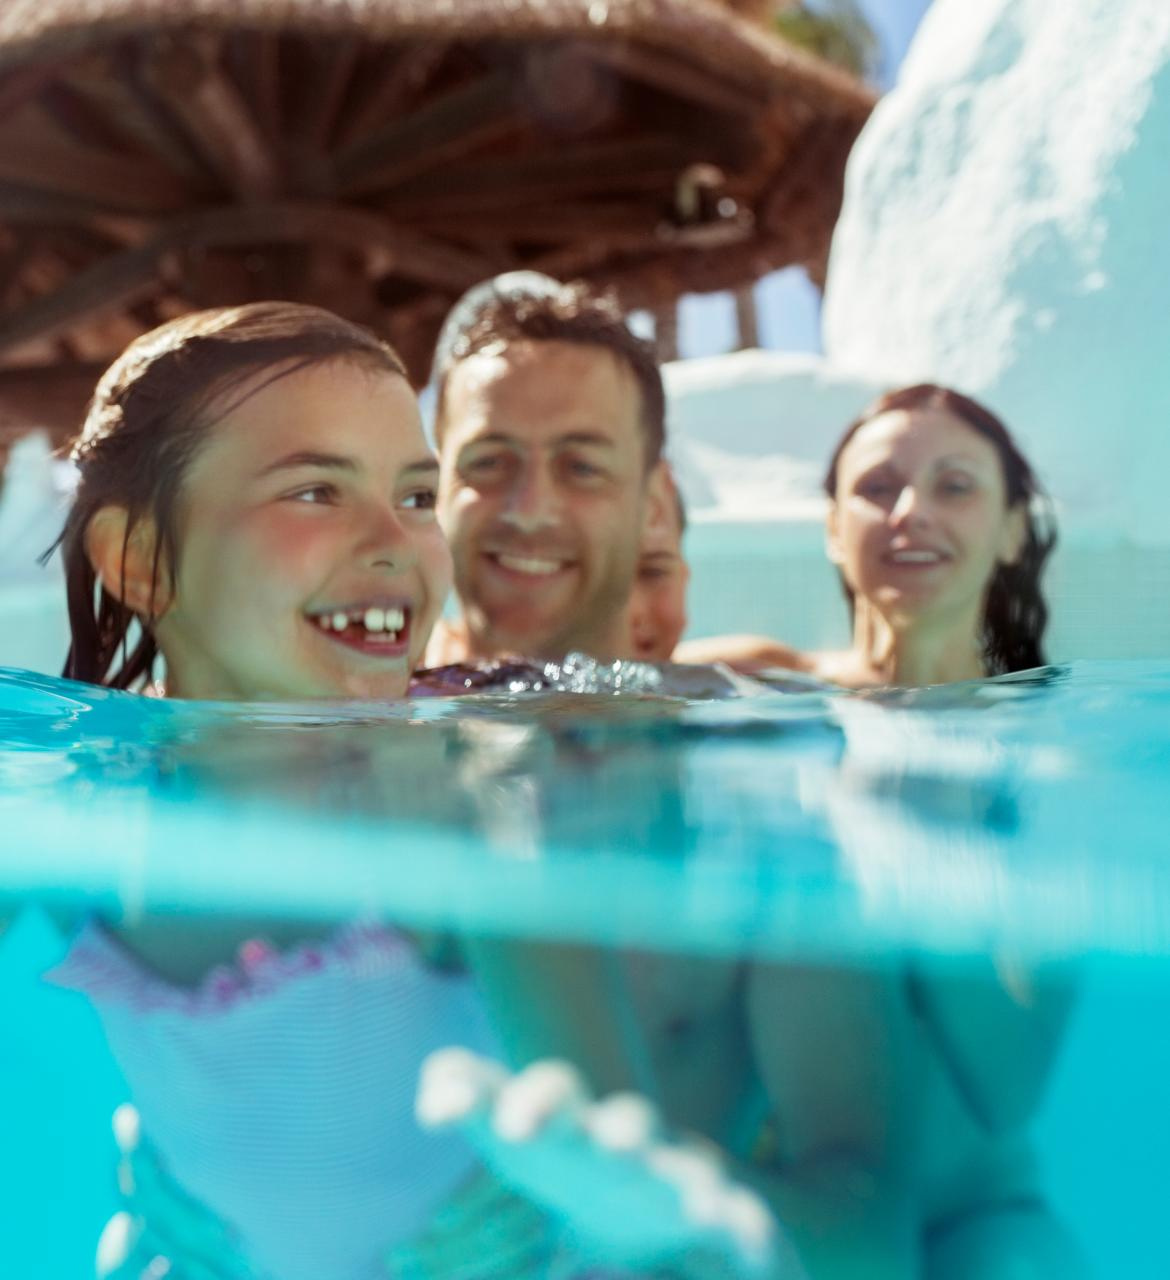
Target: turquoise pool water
(1024,818)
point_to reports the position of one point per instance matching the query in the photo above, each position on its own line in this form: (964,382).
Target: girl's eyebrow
(308,458)
(335,462)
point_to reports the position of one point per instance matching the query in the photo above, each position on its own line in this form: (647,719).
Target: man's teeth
(528,564)
(372,619)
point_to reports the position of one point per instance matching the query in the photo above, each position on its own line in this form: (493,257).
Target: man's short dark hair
(524,306)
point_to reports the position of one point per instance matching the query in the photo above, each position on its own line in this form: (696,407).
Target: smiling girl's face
(310,561)
(920,519)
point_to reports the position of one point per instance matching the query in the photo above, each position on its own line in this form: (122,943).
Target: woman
(940,532)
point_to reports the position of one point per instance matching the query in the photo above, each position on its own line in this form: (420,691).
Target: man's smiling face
(542,496)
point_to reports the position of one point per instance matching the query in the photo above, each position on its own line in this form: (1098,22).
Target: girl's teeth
(387,621)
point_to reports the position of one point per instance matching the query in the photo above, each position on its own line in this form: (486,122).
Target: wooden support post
(747,320)
(666,332)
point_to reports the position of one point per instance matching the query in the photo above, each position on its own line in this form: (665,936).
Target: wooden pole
(747,320)
(666,332)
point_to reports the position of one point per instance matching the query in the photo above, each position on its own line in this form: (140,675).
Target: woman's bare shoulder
(744,653)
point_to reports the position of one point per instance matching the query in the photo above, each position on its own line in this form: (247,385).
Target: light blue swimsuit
(278,1101)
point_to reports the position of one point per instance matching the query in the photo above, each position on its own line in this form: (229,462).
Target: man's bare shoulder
(447,646)
(744,653)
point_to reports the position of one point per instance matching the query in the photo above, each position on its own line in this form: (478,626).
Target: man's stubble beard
(597,627)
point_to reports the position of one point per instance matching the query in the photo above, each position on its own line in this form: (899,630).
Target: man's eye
(582,468)
(486,465)
(421,499)
(956,486)
(876,489)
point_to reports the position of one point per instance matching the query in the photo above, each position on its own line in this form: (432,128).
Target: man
(550,421)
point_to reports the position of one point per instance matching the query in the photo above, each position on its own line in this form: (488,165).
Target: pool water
(1025,819)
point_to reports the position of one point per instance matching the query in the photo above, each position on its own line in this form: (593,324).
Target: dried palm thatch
(380,156)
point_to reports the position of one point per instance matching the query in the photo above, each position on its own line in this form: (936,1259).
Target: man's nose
(533,500)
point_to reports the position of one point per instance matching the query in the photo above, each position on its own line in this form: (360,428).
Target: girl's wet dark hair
(1015,613)
(149,415)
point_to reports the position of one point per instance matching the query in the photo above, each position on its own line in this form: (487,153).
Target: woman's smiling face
(310,562)
(920,520)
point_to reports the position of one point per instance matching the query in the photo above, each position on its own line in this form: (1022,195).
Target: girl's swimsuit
(279,1095)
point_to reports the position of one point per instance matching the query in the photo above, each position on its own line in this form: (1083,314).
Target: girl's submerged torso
(278,1091)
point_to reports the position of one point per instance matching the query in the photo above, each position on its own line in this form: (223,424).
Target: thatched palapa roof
(380,156)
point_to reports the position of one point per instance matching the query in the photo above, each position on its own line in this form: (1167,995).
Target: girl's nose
(386,542)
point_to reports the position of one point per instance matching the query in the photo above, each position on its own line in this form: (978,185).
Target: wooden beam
(102,180)
(254,60)
(85,119)
(21,205)
(438,131)
(52,397)
(402,79)
(587,256)
(390,248)
(551,223)
(675,77)
(188,78)
(152,126)
(323,94)
(126,275)
(511,182)
(15,260)
(19,86)
(112,283)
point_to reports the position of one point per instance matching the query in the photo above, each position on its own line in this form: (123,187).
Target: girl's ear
(124,559)
(832,540)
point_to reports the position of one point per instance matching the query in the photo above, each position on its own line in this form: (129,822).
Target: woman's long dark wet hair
(1015,613)
(149,416)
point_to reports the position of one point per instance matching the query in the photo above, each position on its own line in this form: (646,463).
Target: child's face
(310,562)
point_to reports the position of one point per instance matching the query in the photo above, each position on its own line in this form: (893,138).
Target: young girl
(255,507)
